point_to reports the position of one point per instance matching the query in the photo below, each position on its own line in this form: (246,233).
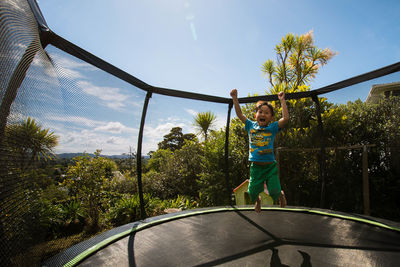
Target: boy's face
(263,115)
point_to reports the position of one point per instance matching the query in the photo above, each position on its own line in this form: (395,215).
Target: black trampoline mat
(245,238)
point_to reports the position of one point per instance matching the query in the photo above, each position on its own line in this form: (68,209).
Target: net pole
(139,155)
(322,163)
(367,210)
(228,120)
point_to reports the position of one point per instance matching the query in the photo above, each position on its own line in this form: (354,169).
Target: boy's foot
(282,200)
(257,207)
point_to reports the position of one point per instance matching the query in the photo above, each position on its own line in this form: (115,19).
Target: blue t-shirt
(261,141)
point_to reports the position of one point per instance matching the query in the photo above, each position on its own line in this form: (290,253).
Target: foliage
(54,193)
(127,209)
(26,217)
(214,189)
(212,180)
(124,183)
(298,61)
(37,221)
(29,142)
(73,216)
(376,124)
(173,173)
(127,164)
(354,124)
(175,139)
(186,167)
(89,180)
(159,158)
(180,203)
(204,121)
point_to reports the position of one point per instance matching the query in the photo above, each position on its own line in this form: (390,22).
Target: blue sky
(210,47)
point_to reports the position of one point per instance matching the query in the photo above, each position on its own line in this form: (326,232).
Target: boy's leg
(282,199)
(257,206)
(274,185)
(256,185)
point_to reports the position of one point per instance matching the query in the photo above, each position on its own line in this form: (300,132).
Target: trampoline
(237,236)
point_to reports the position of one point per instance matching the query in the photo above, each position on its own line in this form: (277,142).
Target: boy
(261,155)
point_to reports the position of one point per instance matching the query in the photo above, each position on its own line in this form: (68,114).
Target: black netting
(54,92)
(19,47)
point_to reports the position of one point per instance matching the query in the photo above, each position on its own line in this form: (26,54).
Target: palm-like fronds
(30,142)
(204,121)
(298,61)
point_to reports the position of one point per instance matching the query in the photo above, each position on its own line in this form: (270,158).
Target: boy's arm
(237,106)
(285,112)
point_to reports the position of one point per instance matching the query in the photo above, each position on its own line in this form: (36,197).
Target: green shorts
(264,173)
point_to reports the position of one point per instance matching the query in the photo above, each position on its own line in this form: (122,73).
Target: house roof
(246,181)
(378,89)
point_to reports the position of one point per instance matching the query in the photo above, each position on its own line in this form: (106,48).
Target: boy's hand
(281,95)
(237,106)
(234,93)
(285,112)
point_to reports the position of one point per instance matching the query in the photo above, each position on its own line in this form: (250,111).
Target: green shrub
(73,217)
(127,209)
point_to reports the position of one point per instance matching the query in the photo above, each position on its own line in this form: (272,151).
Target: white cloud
(115,127)
(71,63)
(113,138)
(160,130)
(71,70)
(111,96)
(89,141)
(220,122)
(76,120)
(67,67)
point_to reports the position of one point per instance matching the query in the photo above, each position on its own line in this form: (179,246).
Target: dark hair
(261,103)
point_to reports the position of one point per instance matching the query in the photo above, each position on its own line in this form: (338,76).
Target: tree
(126,163)
(298,61)
(204,121)
(171,173)
(29,142)
(23,143)
(175,139)
(158,159)
(88,180)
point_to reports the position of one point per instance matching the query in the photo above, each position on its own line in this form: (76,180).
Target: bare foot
(257,207)
(282,200)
